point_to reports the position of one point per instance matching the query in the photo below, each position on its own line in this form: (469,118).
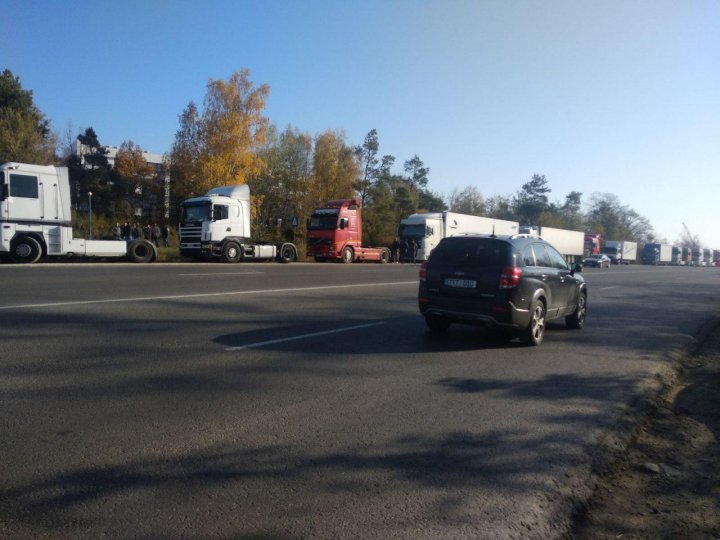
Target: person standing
(155,234)
(166,235)
(117,232)
(126,232)
(136,231)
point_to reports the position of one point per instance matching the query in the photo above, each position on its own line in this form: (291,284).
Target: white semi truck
(217,226)
(570,244)
(620,251)
(418,234)
(35,219)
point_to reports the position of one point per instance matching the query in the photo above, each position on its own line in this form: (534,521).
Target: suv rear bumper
(506,315)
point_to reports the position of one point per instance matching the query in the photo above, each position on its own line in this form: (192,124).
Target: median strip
(303,336)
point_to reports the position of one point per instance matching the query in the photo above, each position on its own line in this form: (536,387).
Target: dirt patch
(667,485)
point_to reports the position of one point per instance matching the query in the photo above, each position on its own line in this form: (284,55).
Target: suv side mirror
(577,267)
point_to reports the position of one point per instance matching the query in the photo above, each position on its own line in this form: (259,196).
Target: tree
(616,222)
(571,211)
(532,200)
(139,178)
(417,172)
(281,189)
(369,164)
(500,207)
(220,145)
(469,201)
(25,134)
(89,171)
(335,168)
(186,154)
(430,201)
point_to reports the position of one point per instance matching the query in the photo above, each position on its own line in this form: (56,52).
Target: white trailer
(570,244)
(36,219)
(217,226)
(655,253)
(420,233)
(621,251)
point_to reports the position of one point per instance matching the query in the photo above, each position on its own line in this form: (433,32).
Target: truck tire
(231,253)
(141,251)
(287,254)
(384,256)
(348,255)
(25,250)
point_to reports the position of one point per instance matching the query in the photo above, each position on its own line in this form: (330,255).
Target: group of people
(153,232)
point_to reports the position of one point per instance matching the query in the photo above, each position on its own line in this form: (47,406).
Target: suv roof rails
(525,235)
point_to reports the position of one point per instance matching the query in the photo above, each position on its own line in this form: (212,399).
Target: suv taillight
(423,271)
(510,277)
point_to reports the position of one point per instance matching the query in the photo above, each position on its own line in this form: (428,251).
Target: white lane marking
(303,336)
(205,295)
(610,287)
(225,274)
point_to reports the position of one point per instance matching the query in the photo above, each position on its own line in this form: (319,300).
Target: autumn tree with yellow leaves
(219,145)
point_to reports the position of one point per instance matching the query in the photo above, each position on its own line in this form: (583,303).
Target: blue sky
(617,97)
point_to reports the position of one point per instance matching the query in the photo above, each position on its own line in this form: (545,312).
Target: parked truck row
(36,222)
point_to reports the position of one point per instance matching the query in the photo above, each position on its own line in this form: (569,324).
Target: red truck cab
(334,232)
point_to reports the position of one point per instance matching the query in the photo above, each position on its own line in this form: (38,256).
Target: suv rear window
(482,252)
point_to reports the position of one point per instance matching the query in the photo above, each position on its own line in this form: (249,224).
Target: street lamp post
(90,214)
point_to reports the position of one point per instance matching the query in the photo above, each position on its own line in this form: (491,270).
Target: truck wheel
(287,253)
(348,255)
(141,251)
(384,256)
(26,250)
(231,253)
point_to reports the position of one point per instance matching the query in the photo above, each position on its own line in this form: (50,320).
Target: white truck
(418,234)
(217,226)
(620,251)
(570,244)
(35,219)
(655,253)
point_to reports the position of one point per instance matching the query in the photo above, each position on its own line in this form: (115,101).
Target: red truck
(592,244)
(334,233)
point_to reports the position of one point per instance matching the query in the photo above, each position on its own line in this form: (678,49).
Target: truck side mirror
(343,222)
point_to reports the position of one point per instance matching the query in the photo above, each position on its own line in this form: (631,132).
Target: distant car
(511,284)
(599,261)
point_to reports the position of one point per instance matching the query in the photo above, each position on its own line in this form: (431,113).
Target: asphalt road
(309,401)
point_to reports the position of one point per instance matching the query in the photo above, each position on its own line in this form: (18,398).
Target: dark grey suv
(512,284)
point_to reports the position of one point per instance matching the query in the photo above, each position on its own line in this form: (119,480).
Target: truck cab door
(433,235)
(220,226)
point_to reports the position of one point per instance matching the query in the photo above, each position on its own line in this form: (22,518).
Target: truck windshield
(411,231)
(196,213)
(324,219)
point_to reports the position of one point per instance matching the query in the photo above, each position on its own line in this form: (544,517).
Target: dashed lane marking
(303,336)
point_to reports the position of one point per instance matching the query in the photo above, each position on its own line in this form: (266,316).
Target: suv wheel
(534,333)
(576,319)
(437,324)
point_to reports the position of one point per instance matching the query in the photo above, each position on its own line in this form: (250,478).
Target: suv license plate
(460,283)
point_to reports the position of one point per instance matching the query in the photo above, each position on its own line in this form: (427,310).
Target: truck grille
(190,235)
